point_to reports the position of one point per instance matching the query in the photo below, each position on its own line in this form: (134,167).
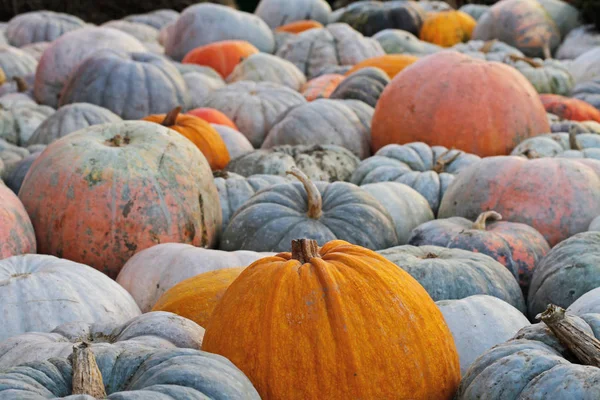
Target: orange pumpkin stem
(483,218)
(315,202)
(528,60)
(573,142)
(22,86)
(305,249)
(171,117)
(87,378)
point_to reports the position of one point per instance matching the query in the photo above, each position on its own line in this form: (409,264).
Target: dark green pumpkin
(365,85)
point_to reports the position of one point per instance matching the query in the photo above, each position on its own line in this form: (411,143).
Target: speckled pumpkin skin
(109,201)
(16,232)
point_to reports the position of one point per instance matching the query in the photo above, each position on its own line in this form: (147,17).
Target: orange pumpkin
(16,232)
(299,26)
(453,100)
(571,109)
(391,64)
(200,132)
(447,28)
(321,87)
(196,298)
(222,56)
(339,322)
(212,116)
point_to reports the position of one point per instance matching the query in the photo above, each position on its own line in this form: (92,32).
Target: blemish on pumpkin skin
(127,208)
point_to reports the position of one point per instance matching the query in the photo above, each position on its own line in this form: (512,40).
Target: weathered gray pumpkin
(206,23)
(568,271)
(264,67)
(565,16)
(270,219)
(365,85)
(200,85)
(16,62)
(589,92)
(474,10)
(428,170)
(345,123)
(546,76)
(318,162)
(491,50)
(235,190)
(18,84)
(19,121)
(337,44)
(397,41)
(69,119)
(450,274)
(586,67)
(40,26)
(14,175)
(577,42)
(11,153)
(142,32)
(567,145)
(132,85)
(156,19)
(280,12)
(431,6)
(237,144)
(36,50)
(590,301)
(65,54)
(575,126)
(254,107)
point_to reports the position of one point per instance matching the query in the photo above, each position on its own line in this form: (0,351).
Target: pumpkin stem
(315,202)
(586,348)
(573,142)
(530,154)
(87,378)
(305,249)
(220,173)
(546,50)
(487,46)
(483,218)
(22,86)
(171,117)
(440,164)
(528,60)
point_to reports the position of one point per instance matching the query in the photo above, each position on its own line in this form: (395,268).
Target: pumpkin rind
(40,26)
(237,144)
(546,76)
(221,56)
(589,302)
(268,68)
(142,32)
(15,176)
(571,109)
(298,27)
(156,19)
(447,28)
(321,87)
(16,232)
(474,10)
(370,17)
(16,62)
(589,92)
(392,64)
(583,145)
(577,42)
(19,120)
(280,12)
(396,41)
(200,86)
(365,85)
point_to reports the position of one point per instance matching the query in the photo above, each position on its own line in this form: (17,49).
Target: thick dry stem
(528,60)
(304,249)
(87,378)
(585,347)
(573,142)
(441,163)
(483,218)
(487,46)
(22,86)
(547,52)
(315,202)
(171,117)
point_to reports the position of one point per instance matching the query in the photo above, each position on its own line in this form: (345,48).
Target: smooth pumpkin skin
(299,26)
(447,28)
(40,26)
(321,87)
(588,91)
(556,196)
(453,100)
(396,41)
(571,109)
(212,116)
(237,144)
(279,12)
(16,62)
(320,327)
(587,303)
(196,298)
(202,134)
(222,56)
(16,231)
(392,64)
(157,19)
(264,67)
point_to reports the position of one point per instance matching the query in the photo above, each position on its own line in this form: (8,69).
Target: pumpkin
(19,121)
(36,50)
(212,116)
(450,274)
(202,24)
(234,190)
(577,42)
(199,132)
(568,145)
(318,162)
(365,85)
(268,68)
(16,174)
(490,50)
(571,109)
(152,86)
(42,292)
(123,187)
(517,246)
(428,170)
(397,41)
(142,32)
(524,24)
(474,10)
(391,64)
(200,85)
(296,292)
(322,211)
(151,272)
(321,87)
(17,85)
(546,76)
(221,56)
(588,302)
(15,62)
(161,330)
(281,12)
(281,38)
(556,196)
(594,225)
(16,232)
(237,144)
(478,323)
(447,28)
(433,6)
(196,298)
(566,16)
(254,107)
(589,92)
(585,67)
(298,26)
(65,54)
(370,17)
(345,123)
(471,117)
(575,126)
(157,19)
(40,26)
(69,119)
(336,44)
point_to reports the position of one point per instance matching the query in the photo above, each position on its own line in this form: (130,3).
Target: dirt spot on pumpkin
(127,208)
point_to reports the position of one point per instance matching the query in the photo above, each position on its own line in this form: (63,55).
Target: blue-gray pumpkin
(281,12)
(565,145)
(40,26)
(157,19)
(365,85)
(397,41)
(16,62)
(589,92)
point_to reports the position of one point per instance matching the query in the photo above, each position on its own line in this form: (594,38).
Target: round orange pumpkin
(16,232)
(321,87)
(200,132)
(339,322)
(568,108)
(453,100)
(447,28)
(196,298)
(299,26)
(222,56)
(212,116)
(391,64)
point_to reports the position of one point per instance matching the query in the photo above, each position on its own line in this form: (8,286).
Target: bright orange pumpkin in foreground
(321,87)
(391,64)
(200,132)
(212,116)
(447,28)
(222,56)
(299,26)
(339,322)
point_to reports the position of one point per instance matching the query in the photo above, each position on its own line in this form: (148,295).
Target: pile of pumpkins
(390,200)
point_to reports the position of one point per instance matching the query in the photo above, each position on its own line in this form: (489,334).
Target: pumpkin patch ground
(300,199)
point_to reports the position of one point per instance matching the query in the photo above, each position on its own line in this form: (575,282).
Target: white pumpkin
(40,26)
(280,12)
(587,66)
(586,304)
(263,67)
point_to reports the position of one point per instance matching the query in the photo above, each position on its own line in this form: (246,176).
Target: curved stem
(547,52)
(315,202)
(171,117)
(22,86)
(440,164)
(573,142)
(528,60)
(483,218)
(87,378)
(487,46)
(304,249)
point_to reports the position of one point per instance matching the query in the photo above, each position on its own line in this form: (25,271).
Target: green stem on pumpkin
(171,117)
(87,378)
(483,218)
(305,249)
(315,202)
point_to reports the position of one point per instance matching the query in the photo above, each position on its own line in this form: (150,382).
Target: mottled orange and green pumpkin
(447,28)
(16,232)
(391,64)
(339,322)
